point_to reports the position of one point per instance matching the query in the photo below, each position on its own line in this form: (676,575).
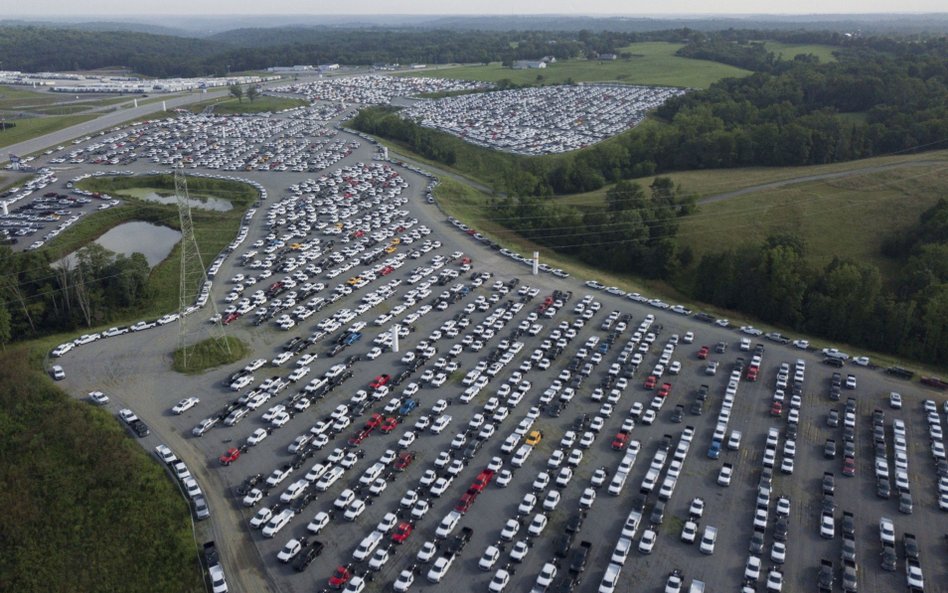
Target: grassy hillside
(653,63)
(259,105)
(713,182)
(85,509)
(787,51)
(846,216)
(38,126)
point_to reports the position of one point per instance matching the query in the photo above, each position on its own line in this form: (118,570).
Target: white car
(290,550)
(689,532)
(257,436)
(510,530)
(404,581)
(489,558)
(647,543)
(278,522)
(752,568)
(546,576)
(537,525)
(318,523)
(98,398)
(499,582)
(588,498)
(426,552)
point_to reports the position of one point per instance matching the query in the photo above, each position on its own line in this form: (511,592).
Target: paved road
(105,122)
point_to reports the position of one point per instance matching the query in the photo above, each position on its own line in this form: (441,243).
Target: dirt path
(817,177)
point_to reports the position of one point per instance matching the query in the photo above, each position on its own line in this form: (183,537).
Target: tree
(237,92)
(253,92)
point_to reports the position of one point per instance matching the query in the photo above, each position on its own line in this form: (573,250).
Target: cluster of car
(541,120)
(248,143)
(375,89)
(181,472)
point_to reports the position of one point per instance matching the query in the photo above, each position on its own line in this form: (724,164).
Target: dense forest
(85,508)
(32,48)
(39,297)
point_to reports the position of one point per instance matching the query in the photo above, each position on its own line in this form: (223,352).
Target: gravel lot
(134,370)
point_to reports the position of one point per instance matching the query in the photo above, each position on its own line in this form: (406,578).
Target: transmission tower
(193,272)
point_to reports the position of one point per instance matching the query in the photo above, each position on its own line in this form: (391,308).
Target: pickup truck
(211,556)
(460,540)
(580,555)
(714,451)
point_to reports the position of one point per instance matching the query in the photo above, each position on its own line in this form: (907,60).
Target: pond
(203,203)
(153,241)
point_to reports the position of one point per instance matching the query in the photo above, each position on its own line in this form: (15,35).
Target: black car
(757,542)
(658,513)
(833,362)
(780,529)
(563,543)
(888,558)
(678,414)
(883,489)
(307,556)
(697,408)
(575,523)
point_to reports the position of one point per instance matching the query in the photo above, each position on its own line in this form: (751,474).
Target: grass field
(261,104)
(37,126)
(846,217)
(713,182)
(787,51)
(652,63)
(208,354)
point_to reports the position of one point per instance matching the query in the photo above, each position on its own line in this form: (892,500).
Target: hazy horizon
(71,9)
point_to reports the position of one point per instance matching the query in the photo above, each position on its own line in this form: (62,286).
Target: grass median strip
(208,354)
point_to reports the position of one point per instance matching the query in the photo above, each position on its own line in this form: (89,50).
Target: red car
(703,352)
(849,466)
(665,390)
(467,501)
(374,421)
(404,460)
(231,456)
(752,373)
(389,425)
(620,441)
(776,409)
(230,318)
(387,270)
(401,533)
(482,480)
(340,577)
(650,382)
(379,381)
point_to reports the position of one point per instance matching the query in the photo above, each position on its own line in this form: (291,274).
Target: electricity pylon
(193,272)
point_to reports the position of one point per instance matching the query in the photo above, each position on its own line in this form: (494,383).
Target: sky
(90,8)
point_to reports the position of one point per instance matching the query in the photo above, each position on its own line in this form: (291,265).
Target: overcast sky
(59,8)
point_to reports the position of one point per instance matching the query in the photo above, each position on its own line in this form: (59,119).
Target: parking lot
(542,120)
(491,311)
(374,89)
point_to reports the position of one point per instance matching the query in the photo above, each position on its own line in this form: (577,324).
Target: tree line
(41,297)
(35,48)
(844,300)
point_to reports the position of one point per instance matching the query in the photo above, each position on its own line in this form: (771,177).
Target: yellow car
(396,241)
(533,439)
(390,249)
(353,281)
